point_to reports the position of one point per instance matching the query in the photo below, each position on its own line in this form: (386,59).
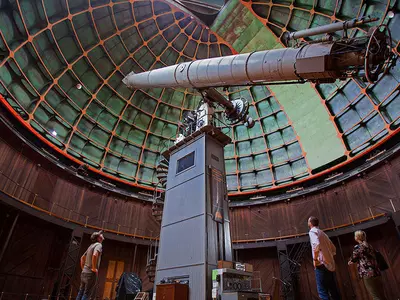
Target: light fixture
(390,14)
(54,133)
(79,86)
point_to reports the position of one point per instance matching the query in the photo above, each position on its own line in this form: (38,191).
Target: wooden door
(114,272)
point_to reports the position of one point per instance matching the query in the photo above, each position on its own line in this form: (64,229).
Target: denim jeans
(326,284)
(87,287)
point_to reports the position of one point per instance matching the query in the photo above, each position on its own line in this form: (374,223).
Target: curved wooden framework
(56,202)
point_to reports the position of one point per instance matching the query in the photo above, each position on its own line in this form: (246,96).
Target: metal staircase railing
(152,254)
(158,196)
(66,279)
(290,263)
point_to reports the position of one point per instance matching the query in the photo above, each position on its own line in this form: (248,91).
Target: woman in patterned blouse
(368,270)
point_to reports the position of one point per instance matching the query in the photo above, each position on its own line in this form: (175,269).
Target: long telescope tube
(304,63)
(317,62)
(328,28)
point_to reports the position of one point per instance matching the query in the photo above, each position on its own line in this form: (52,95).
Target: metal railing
(25,196)
(352,218)
(34,200)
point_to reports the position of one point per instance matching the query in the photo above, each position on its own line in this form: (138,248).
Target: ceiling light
(54,133)
(390,14)
(79,86)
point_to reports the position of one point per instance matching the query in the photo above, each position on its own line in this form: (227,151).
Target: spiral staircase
(157,212)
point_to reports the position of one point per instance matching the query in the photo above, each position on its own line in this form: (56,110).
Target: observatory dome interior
(93,145)
(62,65)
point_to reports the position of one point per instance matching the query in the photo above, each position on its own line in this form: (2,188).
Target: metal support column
(195,231)
(9,235)
(290,263)
(286,275)
(69,265)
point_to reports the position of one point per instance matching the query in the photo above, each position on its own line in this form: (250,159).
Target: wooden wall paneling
(141,267)
(345,205)
(8,156)
(306,282)
(261,227)
(255,223)
(301,210)
(33,257)
(379,190)
(111,210)
(117,251)
(121,215)
(285,211)
(244,225)
(333,211)
(67,196)
(298,214)
(356,195)
(264,261)
(135,218)
(383,238)
(23,172)
(348,282)
(389,246)
(93,205)
(148,221)
(258,222)
(351,201)
(44,185)
(386,186)
(235,214)
(110,207)
(245,222)
(392,169)
(128,216)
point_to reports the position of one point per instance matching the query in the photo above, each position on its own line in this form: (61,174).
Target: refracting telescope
(320,61)
(196,192)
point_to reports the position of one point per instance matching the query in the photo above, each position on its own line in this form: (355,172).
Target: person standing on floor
(323,251)
(367,266)
(90,263)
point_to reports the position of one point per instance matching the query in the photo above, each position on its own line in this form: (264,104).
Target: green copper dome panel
(62,63)
(334,122)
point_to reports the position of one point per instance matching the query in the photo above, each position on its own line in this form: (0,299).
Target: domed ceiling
(62,63)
